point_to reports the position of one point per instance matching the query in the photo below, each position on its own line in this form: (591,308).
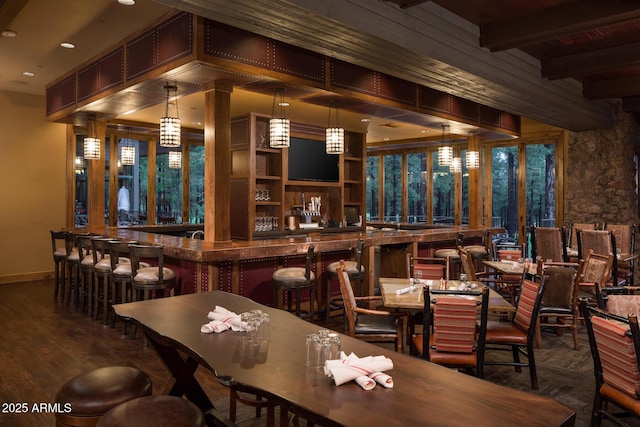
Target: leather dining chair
(559,308)
(518,335)
(369,324)
(549,243)
(615,350)
(601,242)
(625,237)
(454,338)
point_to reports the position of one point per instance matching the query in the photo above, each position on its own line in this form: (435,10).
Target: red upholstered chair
(600,242)
(615,348)
(454,338)
(431,268)
(518,336)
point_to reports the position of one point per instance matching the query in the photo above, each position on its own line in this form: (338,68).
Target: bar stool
(73,269)
(154,411)
(85,288)
(121,273)
(290,279)
(146,278)
(58,247)
(453,256)
(90,395)
(102,274)
(483,252)
(356,272)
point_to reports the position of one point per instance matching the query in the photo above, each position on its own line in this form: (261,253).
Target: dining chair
(625,237)
(369,324)
(357,272)
(615,350)
(549,243)
(518,335)
(506,285)
(559,307)
(600,242)
(428,268)
(574,228)
(452,255)
(481,252)
(454,338)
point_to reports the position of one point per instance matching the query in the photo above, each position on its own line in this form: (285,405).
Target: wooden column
(186,168)
(151,181)
(113,180)
(217,162)
(95,204)
(70,217)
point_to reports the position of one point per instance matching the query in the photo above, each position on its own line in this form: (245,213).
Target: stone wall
(601,174)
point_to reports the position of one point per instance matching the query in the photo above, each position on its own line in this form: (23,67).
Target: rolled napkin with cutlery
(222,319)
(406,290)
(349,368)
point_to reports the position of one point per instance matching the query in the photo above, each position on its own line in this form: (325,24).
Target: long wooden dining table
(423,393)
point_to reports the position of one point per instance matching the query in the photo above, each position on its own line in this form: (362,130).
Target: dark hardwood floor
(44,343)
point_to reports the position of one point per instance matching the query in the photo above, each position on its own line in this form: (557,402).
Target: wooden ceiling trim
(592,62)
(554,22)
(613,88)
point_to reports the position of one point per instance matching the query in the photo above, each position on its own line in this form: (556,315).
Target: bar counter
(245,267)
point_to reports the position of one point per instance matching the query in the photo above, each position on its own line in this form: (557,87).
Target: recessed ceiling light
(9,33)
(283,104)
(28,74)
(67,45)
(365,120)
(127,2)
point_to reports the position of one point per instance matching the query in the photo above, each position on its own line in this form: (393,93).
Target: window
(373,163)
(443,194)
(168,190)
(392,187)
(417,187)
(196,184)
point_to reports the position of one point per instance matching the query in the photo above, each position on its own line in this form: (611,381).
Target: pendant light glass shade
(170,125)
(334,135)
(456,165)
(279,127)
(175,159)
(91,142)
(127,151)
(473,156)
(445,152)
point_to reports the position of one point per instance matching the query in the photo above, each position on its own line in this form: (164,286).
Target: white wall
(32,186)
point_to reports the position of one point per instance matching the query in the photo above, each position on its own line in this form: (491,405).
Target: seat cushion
(154,411)
(95,392)
(292,275)
(103,266)
(351,266)
(504,333)
(372,324)
(151,275)
(444,253)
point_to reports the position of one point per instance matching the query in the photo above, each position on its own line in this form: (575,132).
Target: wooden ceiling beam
(551,23)
(598,61)
(612,88)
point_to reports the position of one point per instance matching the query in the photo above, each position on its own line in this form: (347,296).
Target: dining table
(422,394)
(413,300)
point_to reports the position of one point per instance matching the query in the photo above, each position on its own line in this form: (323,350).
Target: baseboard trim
(26,277)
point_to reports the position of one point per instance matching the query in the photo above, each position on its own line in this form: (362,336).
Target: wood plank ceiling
(594,42)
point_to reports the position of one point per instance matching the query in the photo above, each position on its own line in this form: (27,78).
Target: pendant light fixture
(170,125)
(128,150)
(279,127)
(91,141)
(445,152)
(456,165)
(335,134)
(473,155)
(175,159)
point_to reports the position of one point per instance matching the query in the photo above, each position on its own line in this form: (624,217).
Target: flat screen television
(309,161)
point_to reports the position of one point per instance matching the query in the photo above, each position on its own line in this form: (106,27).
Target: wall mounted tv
(309,161)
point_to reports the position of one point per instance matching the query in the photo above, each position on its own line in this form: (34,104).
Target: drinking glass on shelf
(266,195)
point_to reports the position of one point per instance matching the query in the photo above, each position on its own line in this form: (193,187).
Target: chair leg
(532,368)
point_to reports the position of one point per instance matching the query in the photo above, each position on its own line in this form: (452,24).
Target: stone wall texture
(601,175)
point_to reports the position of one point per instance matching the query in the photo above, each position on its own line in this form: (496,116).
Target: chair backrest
(623,305)
(508,251)
(600,241)
(596,268)
(153,254)
(100,248)
(549,243)
(118,248)
(455,328)
(529,301)
(84,245)
(562,286)
(431,268)
(575,226)
(615,348)
(58,241)
(359,250)
(348,297)
(467,264)
(625,237)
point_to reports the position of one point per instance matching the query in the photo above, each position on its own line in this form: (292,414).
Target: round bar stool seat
(293,279)
(154,411)
(90,395)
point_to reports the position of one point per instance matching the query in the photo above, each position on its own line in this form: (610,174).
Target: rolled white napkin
(348,368)
(365,382)
(222,319)
(382,379)
(406,290)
